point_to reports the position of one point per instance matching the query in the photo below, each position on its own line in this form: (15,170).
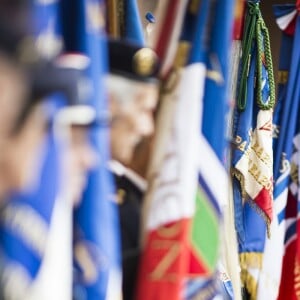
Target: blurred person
(23,123)
(18,142)
(49,207)
(133,89)
(73,126)
(23,117)
(54,278)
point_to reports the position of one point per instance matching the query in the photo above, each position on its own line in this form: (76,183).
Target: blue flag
(215,114)
(96,226)
(133,24)
(274,247)
(286,169)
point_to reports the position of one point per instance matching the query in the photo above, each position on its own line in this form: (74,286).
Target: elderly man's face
(132,120)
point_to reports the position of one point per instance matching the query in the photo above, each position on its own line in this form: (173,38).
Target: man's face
(19,149)
(21,152)
(132,120)
(13,90)
(80,158)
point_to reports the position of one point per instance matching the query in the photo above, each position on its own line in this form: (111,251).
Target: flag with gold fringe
(252,158)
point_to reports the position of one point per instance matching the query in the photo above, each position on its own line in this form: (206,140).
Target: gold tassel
(240,177)
(297,278)
(263,215)
(251,260)
(249,283)
(182,53)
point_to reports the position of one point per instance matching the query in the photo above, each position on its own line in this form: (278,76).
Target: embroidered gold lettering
(161,270)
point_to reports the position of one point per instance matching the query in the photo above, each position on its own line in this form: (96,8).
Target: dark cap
(132,61)
(15,29)
(67,76)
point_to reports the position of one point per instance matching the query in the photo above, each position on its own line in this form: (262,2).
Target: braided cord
(255,29)
(262,38)
(248,37)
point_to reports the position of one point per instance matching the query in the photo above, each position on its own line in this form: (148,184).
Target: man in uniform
(133,89)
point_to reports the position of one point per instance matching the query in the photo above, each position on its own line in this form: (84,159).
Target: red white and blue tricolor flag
(252,155)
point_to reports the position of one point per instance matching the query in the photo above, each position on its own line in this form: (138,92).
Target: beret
(132,61)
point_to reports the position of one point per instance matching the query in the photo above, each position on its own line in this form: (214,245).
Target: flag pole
(113,24)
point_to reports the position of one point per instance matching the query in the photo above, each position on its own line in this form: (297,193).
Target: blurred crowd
(62,119)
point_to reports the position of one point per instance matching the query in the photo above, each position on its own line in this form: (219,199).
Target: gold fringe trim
(251,260)
(194,6)
(249,284)
(240,177)
(263,215)
(297,278)
(282,77)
